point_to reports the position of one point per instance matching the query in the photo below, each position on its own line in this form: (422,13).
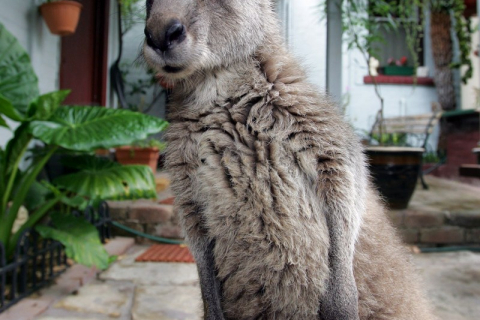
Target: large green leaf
(88,128)
(17,146)
(7,108)
(44,106)
(80,239)
(102,179)
(2,175)
(76,202)
(3,123)
(18,82)
(37,195)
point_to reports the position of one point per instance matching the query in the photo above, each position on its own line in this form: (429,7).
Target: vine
(362,30)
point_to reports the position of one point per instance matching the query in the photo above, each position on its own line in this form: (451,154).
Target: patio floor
(170,291)
(132,290)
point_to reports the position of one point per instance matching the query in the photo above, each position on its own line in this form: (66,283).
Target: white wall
(471,90)
(306,36)
(22,19)
(132,61)
(399,99)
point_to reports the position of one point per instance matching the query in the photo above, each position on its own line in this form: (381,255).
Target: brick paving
(166,253)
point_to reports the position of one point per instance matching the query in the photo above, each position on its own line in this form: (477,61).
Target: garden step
(153,217)
(146,211)
(470,170)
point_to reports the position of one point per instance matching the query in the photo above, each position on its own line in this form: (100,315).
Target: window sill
(406,80)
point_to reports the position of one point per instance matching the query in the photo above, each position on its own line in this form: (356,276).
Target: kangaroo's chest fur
(244,159)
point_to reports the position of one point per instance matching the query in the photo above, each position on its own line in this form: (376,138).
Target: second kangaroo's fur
(270,181)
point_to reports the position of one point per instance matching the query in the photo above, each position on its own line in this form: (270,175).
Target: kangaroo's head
(186,36)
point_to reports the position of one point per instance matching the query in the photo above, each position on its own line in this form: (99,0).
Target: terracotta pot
(135,155)
(395,172)
(477,152)
(61,16)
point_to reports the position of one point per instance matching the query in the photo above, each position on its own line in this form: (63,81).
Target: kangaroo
(270,181)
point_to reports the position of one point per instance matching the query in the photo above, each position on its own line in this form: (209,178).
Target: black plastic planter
(395,172)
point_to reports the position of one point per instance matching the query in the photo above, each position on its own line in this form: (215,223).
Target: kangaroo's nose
(174,34)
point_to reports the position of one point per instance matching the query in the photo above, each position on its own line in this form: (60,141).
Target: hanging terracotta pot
(61,16)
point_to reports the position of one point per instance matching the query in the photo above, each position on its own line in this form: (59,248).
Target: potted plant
(61,16)
(146,152)
(395,168)
(40,117)
(142,93)
(398,67)
(391,161)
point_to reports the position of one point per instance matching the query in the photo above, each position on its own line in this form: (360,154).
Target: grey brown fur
(270,181)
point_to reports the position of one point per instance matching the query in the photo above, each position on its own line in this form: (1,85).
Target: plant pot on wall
(135,155)
(61,17)
(395,172)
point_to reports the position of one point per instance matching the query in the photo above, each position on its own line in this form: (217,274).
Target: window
(395,45)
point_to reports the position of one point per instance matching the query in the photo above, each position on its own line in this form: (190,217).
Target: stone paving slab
(151,273)
(452,282)
(104,298)
(96,300)
(446,196)
(27,309)
(167,302)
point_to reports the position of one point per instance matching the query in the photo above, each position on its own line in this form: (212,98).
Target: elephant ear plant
(74,129)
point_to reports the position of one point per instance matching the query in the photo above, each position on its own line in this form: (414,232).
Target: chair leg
(424,184)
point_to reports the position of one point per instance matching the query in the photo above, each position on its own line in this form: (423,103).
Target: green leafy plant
(76,129)
(390,139)
(431,157)
(79,237)
(150,143)
(137,88)
(130,13)
(364,23)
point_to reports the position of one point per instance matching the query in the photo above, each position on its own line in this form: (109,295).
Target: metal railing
(37,261)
